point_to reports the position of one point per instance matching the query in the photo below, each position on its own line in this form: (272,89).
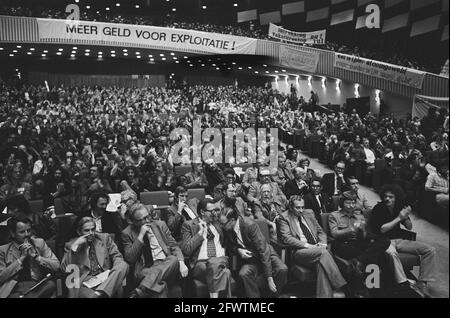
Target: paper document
(97,280)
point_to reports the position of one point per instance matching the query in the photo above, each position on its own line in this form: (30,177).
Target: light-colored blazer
(9,266)
(288,232)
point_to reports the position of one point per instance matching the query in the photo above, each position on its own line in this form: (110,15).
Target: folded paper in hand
(97,280)
(114,202)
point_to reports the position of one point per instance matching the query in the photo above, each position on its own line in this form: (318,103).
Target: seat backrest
(155,198)
(36,206)
(59,207)
(182,170)
(196,193)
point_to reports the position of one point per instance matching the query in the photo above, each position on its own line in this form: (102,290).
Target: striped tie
(211,246)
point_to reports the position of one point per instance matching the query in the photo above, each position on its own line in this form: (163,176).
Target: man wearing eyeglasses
(154,253)
(203,242)
(362,203)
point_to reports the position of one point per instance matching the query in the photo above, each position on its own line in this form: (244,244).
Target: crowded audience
(76,146)
(395,56)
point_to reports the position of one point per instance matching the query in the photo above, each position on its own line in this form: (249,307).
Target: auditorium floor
(426,232)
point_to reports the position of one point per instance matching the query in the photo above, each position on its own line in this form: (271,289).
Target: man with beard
(257,256)
(387,217)
(268,208)
(254,193)
(25,261)
(230,201)
(203,242)
(94,253)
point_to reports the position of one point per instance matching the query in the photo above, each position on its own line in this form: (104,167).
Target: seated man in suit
(254,193)
(256,254)
(25,261)
(387,217)
(94,253)
(180,211)
(362,202)
(353,242)
(284,173)
(334,184)
(317,200)
(298,185)
(203,242)
(299,229)
(154,253)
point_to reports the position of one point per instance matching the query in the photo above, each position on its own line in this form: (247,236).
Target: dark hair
(13,221)
(97,195)
(395,189)
(316,179)
(202,205)
(178,190)
(346,196)
(228,171)
(20,202)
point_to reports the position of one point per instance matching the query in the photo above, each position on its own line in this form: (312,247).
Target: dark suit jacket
(192,241)
(291,188)
(133,248)
(254,241)
(328,184)
(288,232)
(174,220)
(312,204)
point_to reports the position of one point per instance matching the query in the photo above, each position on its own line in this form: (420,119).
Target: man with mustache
(25,261)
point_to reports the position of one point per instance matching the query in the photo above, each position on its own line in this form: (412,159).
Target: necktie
(211,246)
(306,232)
(322,208)
(339,185)
(148,257)
(95,266)
(25,272)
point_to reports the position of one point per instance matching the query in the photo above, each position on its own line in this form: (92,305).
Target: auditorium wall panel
(398,105)
(38,78)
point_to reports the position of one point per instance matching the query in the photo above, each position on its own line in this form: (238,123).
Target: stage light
(117,4)
(309,81)
(19,46)
(377,96)
(357,90)
(204,7)
(31,48)
(174,9)
(338,85)
(324,81)
(29,53)
(235,5)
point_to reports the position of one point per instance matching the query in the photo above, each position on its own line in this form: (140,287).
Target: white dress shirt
(157,251)
(98,222)
(237,230)
(370,156)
